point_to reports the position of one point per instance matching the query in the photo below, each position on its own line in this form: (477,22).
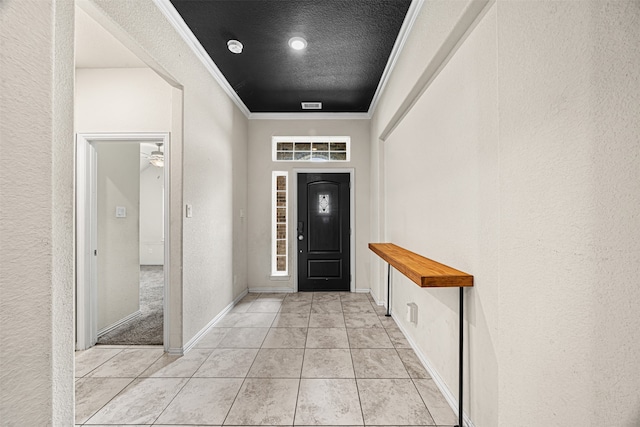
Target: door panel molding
(352,215)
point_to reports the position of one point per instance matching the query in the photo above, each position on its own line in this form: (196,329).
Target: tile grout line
(355,379)
(295,407)
(181,388)
(124,388)
(235,398)
(239,388)
(87,374)
(423,401)
(109,401)
(172,399)
(411,378)
(244,379)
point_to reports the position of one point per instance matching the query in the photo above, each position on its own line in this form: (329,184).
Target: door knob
(300,237)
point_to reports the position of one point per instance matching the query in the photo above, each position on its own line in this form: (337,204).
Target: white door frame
(352,219)
(86,231)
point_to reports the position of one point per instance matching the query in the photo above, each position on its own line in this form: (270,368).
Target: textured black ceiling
(349,43)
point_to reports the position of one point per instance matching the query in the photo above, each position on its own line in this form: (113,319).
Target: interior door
(323,232)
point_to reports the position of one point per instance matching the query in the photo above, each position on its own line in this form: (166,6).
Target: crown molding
(403,35)
(309,116)
(172,15)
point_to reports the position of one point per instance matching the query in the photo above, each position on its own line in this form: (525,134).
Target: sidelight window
(280,246)
(311,148)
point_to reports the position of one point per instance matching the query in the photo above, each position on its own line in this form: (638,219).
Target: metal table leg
(460,359)
(388,291)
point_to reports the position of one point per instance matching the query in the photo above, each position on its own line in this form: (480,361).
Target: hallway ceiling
(349,46)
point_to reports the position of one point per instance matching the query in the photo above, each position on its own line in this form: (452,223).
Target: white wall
(569,96)
(421,53)
(213,134)
(36,213)
(152,216)
(260,169)
(118,185)
(122,100)
(519,164)
(441,179)
(240,203)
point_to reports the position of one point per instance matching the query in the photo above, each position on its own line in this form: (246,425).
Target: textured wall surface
(260,169)
(525,171)
(240,203)
(62,311)
(569,95)
(36,211)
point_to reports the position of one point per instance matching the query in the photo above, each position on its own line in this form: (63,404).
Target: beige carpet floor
(145,329)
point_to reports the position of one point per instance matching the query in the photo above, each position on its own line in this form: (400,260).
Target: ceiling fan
(156,158)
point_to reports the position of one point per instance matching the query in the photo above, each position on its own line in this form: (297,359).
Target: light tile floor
(302,359)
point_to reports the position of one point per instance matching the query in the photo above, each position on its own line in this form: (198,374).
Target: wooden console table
(427,273)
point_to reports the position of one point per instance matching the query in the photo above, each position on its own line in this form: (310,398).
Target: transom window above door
(311,148)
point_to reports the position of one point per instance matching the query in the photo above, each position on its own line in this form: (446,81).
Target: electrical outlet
(412,312)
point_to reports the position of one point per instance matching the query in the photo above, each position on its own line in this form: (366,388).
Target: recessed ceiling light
(234,46)
(297,43)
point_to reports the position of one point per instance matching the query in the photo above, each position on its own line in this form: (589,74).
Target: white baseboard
(110,328)
(274,290)
(172,351)
(376,299)
(193,341)
(435,376)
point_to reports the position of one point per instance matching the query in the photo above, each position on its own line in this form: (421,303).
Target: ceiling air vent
(312,105)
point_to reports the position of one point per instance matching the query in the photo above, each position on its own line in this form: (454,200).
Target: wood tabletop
(423,271)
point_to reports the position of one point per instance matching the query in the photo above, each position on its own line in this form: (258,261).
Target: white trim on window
(283,237)
(316,149)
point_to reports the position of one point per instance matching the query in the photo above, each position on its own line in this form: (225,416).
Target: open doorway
(118,178)
(122,245)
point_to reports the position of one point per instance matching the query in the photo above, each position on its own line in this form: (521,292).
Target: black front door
(323,232)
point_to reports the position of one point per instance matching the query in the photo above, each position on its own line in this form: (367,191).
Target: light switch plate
(121,212)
